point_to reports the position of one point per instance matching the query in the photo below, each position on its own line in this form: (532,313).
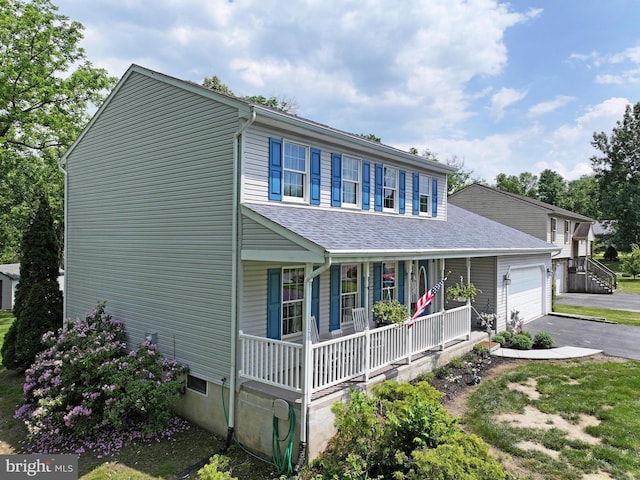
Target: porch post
(367,337)
(468,276)
(306,353)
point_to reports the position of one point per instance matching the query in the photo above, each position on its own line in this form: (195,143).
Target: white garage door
(525,292)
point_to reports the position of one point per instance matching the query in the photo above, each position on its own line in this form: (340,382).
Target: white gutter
(234,270)
(64,240)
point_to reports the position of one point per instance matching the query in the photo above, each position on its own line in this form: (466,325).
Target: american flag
(425,300)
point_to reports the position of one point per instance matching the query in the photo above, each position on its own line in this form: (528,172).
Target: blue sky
(505,87)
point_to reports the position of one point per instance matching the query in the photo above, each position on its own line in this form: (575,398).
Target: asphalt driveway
(612,339)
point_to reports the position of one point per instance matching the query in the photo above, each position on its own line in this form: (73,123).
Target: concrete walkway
(559,353)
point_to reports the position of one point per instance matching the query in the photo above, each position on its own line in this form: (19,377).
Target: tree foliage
(524,184)
(582,197)
(552,187)
(631,263)
(618,175)
(38,301)
(282,104)
(46,86)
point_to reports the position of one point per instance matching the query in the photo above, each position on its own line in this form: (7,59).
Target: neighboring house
(9,278)
(573,268)
(222,230)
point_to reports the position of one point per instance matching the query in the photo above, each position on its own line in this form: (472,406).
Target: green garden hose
(283,461)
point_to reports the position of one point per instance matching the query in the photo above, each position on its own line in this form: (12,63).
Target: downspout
(237,170)
(309,275)
(65,207)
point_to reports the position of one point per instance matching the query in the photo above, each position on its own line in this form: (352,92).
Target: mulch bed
(455,380)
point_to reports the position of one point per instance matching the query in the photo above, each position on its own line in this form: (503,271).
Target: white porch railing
(335,361)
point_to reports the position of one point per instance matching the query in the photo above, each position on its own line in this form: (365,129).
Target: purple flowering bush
(87,390)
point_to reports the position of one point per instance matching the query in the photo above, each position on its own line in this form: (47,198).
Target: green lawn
(616,316)
(6,319)
(605,391)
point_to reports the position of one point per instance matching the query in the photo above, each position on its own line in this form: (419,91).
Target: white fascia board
(282,256)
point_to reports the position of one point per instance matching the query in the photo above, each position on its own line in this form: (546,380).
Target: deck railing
(338,360)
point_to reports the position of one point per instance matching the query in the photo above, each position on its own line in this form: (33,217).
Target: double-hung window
(350,181)
(424,203)
(295,162)
(292,300)
(388,281)
(349,291)
(390,188)
(567,226)
(554,229)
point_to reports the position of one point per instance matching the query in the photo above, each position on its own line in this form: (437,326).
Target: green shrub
(526,334)
(506,334)
(481,350)
(611,255)
(461,457)
(211,471)
(542,340)
(86,389)
(387,435)
(458,362)
(499,339)
(521,341)
(442,372)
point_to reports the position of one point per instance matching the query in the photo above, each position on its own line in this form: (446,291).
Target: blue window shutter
(377,282)
(400,282)
(336,180)
(378,188)
(416,194)
(366,185)
(334,298)
(274,302)
(434,197)
(402,188)
(315,300)
(315,177)
(275,169)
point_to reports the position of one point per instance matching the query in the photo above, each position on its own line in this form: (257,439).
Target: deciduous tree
(618,175)
(552,188)
(46,87)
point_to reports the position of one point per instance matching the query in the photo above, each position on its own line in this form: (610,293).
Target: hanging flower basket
(388,312)
(461,292)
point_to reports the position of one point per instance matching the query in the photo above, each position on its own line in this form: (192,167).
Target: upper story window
(350,180)
(423,194)
(390,188)
(554,229)
(567,226)
(349,291)
(295,170)
(292,300)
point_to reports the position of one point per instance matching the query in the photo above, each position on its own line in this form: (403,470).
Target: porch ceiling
(367,236)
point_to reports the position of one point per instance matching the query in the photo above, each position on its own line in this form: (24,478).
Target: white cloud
(504,98)
(550,106)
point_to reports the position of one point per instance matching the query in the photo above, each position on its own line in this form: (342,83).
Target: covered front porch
(352,356)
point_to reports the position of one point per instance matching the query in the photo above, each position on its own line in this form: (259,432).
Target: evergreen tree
(38,301)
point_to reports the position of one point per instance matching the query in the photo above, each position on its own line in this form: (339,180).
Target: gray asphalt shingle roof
(349,231)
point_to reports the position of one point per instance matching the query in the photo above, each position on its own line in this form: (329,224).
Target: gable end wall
(149,221)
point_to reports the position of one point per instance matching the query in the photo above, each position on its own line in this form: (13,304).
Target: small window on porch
(388,281)
(349,291)
(292,300)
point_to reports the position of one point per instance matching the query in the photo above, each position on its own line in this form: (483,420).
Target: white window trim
(358,183)
(307,171)
(395,282)
(567,231)
(282,301)
(396,189)
(430,195)
(554,229)
(356,293)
